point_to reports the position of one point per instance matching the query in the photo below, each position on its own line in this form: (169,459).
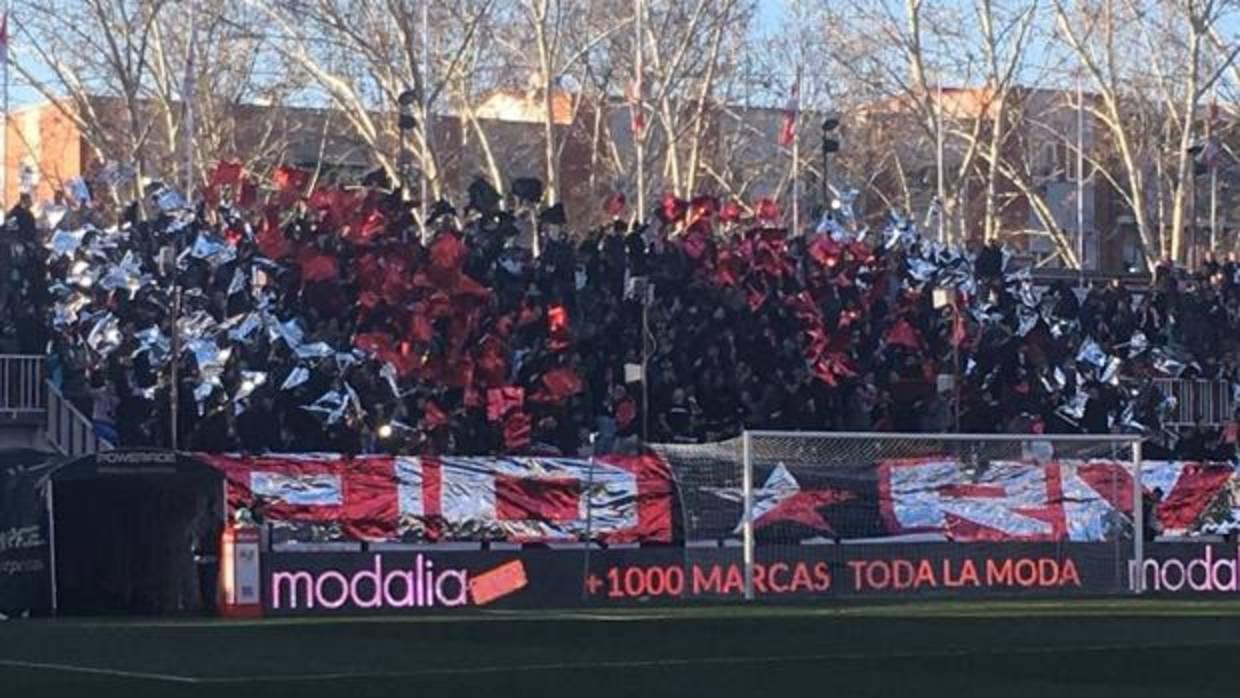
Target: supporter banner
(1083,501)
(629,499)
(430,580)
(1189,569)
(1069,500)
(25,567)
(393,498)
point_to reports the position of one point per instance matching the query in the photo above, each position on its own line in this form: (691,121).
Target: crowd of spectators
(321,321)
(24,296)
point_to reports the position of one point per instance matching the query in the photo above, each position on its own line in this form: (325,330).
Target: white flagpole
(639,89)
(426,119)
(174,386)
(4,125)
(1213,165)
(188,96)
(938,135)
(1080,179)
(796,156)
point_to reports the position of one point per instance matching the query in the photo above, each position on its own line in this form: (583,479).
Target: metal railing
(69,431)
(1205,401)
(22,382)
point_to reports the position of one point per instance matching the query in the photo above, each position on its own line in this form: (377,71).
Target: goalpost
(915,515)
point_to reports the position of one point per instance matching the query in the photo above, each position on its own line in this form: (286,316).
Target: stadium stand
(320,322)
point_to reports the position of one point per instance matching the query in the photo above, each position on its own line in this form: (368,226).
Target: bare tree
(115,68)
(81,50)
(1162,82)
(362,56)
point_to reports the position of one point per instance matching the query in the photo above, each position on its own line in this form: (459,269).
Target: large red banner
(399,498)
(620,499)
(1069,500)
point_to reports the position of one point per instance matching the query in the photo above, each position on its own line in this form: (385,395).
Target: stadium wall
(429,581)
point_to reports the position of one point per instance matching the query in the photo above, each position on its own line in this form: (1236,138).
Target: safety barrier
(22,386)
(69,431)
(1204,401)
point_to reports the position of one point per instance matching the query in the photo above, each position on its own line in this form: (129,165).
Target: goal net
(789,515)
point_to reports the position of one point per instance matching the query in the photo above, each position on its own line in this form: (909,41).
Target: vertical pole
(426,119)
(174,388)
(962,213)
(1117,535)
(536,234)
(1212,163)
(1213,208)
(1190,235)
(796,156)
(174,391)
(1138,522)
(51,545)
(1080,181)
(955,364)
(189,104)
(639,137)
(645,368)
(826,191)
(747,513)
(938,137)
(826,175)
(585,565)
(4,125)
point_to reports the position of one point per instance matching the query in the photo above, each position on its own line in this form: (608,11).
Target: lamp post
(829,145)
(950,299)
(406,122)
(174,387)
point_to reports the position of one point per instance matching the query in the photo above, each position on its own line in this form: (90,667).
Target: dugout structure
(114,532)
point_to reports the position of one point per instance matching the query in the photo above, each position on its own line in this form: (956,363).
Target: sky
(770,17)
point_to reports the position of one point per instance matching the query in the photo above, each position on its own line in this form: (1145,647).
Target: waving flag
(788,128)
(637,116)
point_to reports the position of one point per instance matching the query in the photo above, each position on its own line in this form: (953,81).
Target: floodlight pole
(174,389)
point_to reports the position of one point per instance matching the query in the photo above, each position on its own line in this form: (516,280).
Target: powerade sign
(1188,568)
(429,581)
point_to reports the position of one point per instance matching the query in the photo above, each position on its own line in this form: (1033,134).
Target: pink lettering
(420,586)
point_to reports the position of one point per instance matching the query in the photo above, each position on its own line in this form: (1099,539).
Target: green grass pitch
(999,649)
